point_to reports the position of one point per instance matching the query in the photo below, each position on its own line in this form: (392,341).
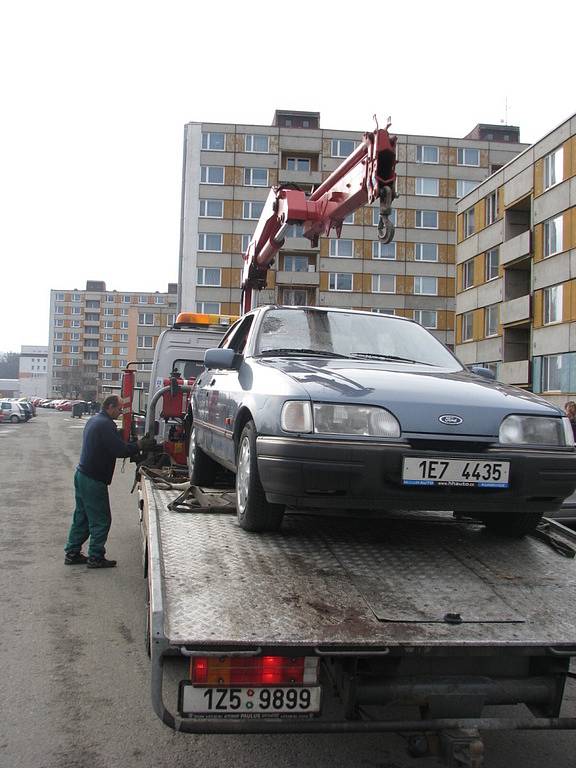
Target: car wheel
(514,524)
(254,512)
(14,419)
(201,468)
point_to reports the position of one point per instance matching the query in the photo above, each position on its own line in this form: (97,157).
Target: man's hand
(146,444)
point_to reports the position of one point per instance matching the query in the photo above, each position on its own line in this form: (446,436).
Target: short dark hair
(111,400)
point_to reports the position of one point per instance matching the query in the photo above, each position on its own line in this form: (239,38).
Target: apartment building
(228,169)
(516,269)
(33,373)
(95,332)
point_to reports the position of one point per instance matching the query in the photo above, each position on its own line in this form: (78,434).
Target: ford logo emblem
(449,419)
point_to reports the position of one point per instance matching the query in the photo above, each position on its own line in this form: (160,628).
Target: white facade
(33,373)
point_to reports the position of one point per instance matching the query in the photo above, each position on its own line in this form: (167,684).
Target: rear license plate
(470,472)
(251,700)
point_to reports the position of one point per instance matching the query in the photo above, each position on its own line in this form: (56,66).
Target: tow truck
(364,625)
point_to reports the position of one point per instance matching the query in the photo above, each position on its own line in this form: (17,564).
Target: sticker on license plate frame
(447,471)
(248,701)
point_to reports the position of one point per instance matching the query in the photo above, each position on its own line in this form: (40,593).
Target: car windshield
(347,334)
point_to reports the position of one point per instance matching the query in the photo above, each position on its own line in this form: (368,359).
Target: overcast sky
(94,97)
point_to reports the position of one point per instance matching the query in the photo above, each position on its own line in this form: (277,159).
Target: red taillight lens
(261,670)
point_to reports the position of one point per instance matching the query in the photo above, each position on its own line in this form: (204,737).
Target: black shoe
(100,562)
(75,558)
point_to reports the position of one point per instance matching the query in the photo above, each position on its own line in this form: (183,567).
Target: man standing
(101,446)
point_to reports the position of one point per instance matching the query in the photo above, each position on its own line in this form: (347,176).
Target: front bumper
(304,473)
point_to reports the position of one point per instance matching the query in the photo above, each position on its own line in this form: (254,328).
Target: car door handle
(212,383)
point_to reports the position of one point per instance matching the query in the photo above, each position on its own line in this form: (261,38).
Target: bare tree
(77,383)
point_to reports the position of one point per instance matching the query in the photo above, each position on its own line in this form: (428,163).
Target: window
(126,299)
(171,319)
(108,351)
(106,376)
(209,242)
(426,219)
(425,153)
(123,312)
(59,309)
(429,187)
(348,219)
(145,342)
(552,304)
(491,320)
(107,363)
(109,323)
(90,355)
(145,318)
(74,349)
(343,249)
(467,156)
(109,298)
(214,141)
(426,252)
(468,222)
(92,317)
(92,304)
(255,177)
(295,230)
(108,337)
(59,297)
(76,310)
(57,361)
(142,299)
(75,324)
(76,297)
(343,147)
(491,208)
(553,168)
(124,337)
(75,336)
(91,343)
(57,347)
(382,250)
(340,281)
(553,236)
(252,209)
(491,264)
(211,209)
(245,242)
(426,286)
(467,321)
(209,276)
(145,366)
(426,317)
(552,373)
(123,351)
(211,174)
(58,336)
(256,142)
(108,310)
(208,307)
(468,274)
(123,363)
(293,263)
(298,164)
(383,283)
(59,323)
(159,300)
(464,186)
(376,216)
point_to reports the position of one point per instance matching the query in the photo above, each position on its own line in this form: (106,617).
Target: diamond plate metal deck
(346,582)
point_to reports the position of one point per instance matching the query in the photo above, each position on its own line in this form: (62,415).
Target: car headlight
(364,420)
(536,430)
(296,416)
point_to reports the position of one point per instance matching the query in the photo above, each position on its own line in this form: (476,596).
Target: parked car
(13,412)
(337,409)
(27,408)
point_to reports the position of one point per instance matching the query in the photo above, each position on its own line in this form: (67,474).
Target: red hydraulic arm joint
(368,174)
(126,395)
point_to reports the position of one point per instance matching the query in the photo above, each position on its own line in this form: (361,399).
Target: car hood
(417,395)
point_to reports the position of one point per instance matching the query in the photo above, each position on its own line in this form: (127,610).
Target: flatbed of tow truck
(418,609)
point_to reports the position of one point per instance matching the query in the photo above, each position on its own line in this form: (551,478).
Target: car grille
(451,446)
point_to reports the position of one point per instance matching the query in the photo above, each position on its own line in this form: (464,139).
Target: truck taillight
(260,670)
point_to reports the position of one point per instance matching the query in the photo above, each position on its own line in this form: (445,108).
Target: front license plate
(469,472)
(252,701)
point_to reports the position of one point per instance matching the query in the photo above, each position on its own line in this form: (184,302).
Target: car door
(222,397)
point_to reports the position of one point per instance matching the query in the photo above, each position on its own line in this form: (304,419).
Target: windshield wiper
(376,356)
(299,352)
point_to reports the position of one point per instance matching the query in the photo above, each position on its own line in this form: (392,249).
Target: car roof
(341,310)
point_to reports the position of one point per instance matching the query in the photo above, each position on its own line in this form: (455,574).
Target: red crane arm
(366,175)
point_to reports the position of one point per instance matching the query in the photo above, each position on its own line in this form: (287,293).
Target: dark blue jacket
(101,446)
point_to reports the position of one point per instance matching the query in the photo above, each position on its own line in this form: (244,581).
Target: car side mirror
(220,358)
(486,373)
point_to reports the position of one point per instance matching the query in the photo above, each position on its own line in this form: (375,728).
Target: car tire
(513,524)
(14,419)
(255,513)
(202,469)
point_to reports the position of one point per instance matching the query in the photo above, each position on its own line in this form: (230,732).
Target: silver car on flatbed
(338,409)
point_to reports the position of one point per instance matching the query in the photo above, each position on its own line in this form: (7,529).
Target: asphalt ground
(74,679)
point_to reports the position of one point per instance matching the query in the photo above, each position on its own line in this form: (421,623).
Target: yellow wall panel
(478,324)
(227,242)
(323,281)
(447,187)
(446,253)
(567,291)
(446,220)
(444,156)
(538,308)
(405,284)
(537,242)
(458,329)
(538,177)
(273,177)
(366,283)
(452,155)
(569,230)
(357,282)
(484,158)
(459,278)
(274,144)
(460,228)
(406,186)
(479,215)
(500,202)
(479,269)
(409,254)
(403,219)
(567,160)
(324,247)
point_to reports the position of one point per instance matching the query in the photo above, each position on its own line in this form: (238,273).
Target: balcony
(297,278)
(516,248)
(300,177)
(517,373)
(516,311)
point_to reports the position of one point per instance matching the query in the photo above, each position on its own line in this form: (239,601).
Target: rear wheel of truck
(254,512)
(514,524)
(202,469)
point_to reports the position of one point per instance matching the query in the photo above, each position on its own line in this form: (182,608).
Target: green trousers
(91,518)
